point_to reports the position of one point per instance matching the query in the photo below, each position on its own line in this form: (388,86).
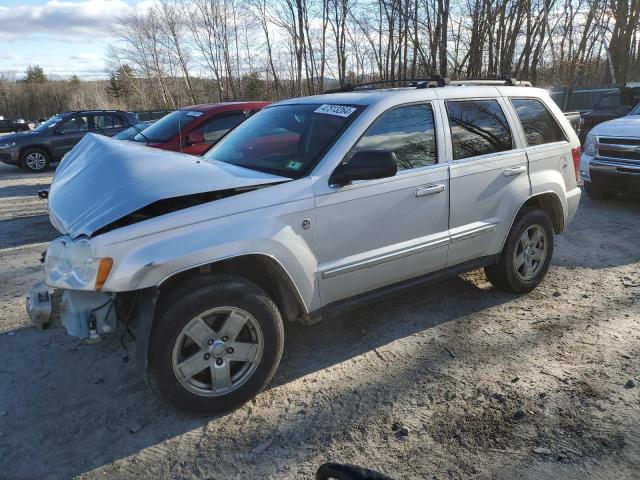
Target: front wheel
(216,343)
(597,193)
(34,160)
(526,254)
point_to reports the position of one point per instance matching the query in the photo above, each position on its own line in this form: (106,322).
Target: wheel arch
(263,270)
(38,146)
(550,203)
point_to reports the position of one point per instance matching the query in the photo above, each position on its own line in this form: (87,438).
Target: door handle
(429,190)
(512,172)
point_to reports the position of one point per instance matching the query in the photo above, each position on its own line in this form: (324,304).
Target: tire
(183,369)
(511,274)
(598,194)
(35,160)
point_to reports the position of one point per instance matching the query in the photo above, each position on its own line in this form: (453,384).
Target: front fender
(274,231)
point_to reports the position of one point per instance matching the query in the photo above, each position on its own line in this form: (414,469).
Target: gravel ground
(453,380)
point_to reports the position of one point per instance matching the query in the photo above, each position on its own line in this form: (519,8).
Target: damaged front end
(104,185)
(86,315)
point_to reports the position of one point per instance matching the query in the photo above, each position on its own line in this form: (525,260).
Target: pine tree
(34,74)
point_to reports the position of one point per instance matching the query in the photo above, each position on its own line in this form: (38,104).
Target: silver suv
(310,207)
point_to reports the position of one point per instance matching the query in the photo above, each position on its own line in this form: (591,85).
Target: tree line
(191,51)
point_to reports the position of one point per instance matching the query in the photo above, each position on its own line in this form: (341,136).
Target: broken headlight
(70,264)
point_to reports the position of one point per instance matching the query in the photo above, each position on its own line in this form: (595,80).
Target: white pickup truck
(610,163)
(310,207)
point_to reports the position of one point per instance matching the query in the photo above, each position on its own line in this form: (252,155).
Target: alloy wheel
(530,252)
(36,161)
(217,351)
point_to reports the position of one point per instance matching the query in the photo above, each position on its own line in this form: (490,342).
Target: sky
(65,37)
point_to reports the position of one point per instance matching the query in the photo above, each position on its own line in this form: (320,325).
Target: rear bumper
(573,200)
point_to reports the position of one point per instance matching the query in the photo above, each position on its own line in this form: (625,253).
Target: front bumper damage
(84,314)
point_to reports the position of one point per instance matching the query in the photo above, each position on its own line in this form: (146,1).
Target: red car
(194,129)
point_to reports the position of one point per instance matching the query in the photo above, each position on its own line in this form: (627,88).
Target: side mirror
(365,165)
(195,138)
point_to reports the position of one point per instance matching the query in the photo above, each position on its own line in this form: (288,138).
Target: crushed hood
(103,180)
(620,127)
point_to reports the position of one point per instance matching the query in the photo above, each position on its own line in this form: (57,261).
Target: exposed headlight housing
(69,264)
(590,144)
(5,145)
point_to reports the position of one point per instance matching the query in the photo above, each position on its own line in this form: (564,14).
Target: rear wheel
(597,193)
(526,254)
(34,160)
(216,343)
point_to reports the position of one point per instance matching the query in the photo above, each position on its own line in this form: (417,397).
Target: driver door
(68,134)
(375,233)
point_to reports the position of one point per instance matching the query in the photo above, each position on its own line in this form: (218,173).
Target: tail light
(575,153)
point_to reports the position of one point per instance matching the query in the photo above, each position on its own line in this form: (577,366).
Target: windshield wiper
(140,133)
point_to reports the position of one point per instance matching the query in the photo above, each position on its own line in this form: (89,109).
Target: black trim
(357,301)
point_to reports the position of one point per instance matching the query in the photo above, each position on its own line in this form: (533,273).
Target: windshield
(49,124)
(284,140)
(168,126)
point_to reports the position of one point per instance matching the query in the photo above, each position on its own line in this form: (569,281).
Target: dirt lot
(455,380)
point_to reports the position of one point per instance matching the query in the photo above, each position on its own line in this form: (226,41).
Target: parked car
(11,126)
(35,150)
(610,162)
(132,131)
(194,129)
(310,207)
(610,106)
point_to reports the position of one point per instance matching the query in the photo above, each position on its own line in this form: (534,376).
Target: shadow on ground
(26,230)
(97,406)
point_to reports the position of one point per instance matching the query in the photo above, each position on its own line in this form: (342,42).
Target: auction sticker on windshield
(339,110)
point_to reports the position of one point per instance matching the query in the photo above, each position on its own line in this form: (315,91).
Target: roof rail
(504,80)
(434,81)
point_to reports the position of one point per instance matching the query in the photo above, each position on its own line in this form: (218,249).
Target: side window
(407,131)
(106,121)
(214,129)
(478,127)
(102,122)
(75,124)
(119,122)
(538,124)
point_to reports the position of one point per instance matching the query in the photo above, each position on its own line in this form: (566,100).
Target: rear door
(68,133)
(489,176)
(547,144)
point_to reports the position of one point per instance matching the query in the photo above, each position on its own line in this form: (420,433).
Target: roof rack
(434,81)
(431,82)
(503,81)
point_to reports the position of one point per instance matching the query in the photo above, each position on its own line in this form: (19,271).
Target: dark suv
(36,149)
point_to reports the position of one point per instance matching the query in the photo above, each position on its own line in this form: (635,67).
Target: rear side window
(538,124)
(407,131)
(214,129)
(478,127)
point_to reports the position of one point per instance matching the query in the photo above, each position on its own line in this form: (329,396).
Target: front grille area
(623,149)
(619,141)
(602,152)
